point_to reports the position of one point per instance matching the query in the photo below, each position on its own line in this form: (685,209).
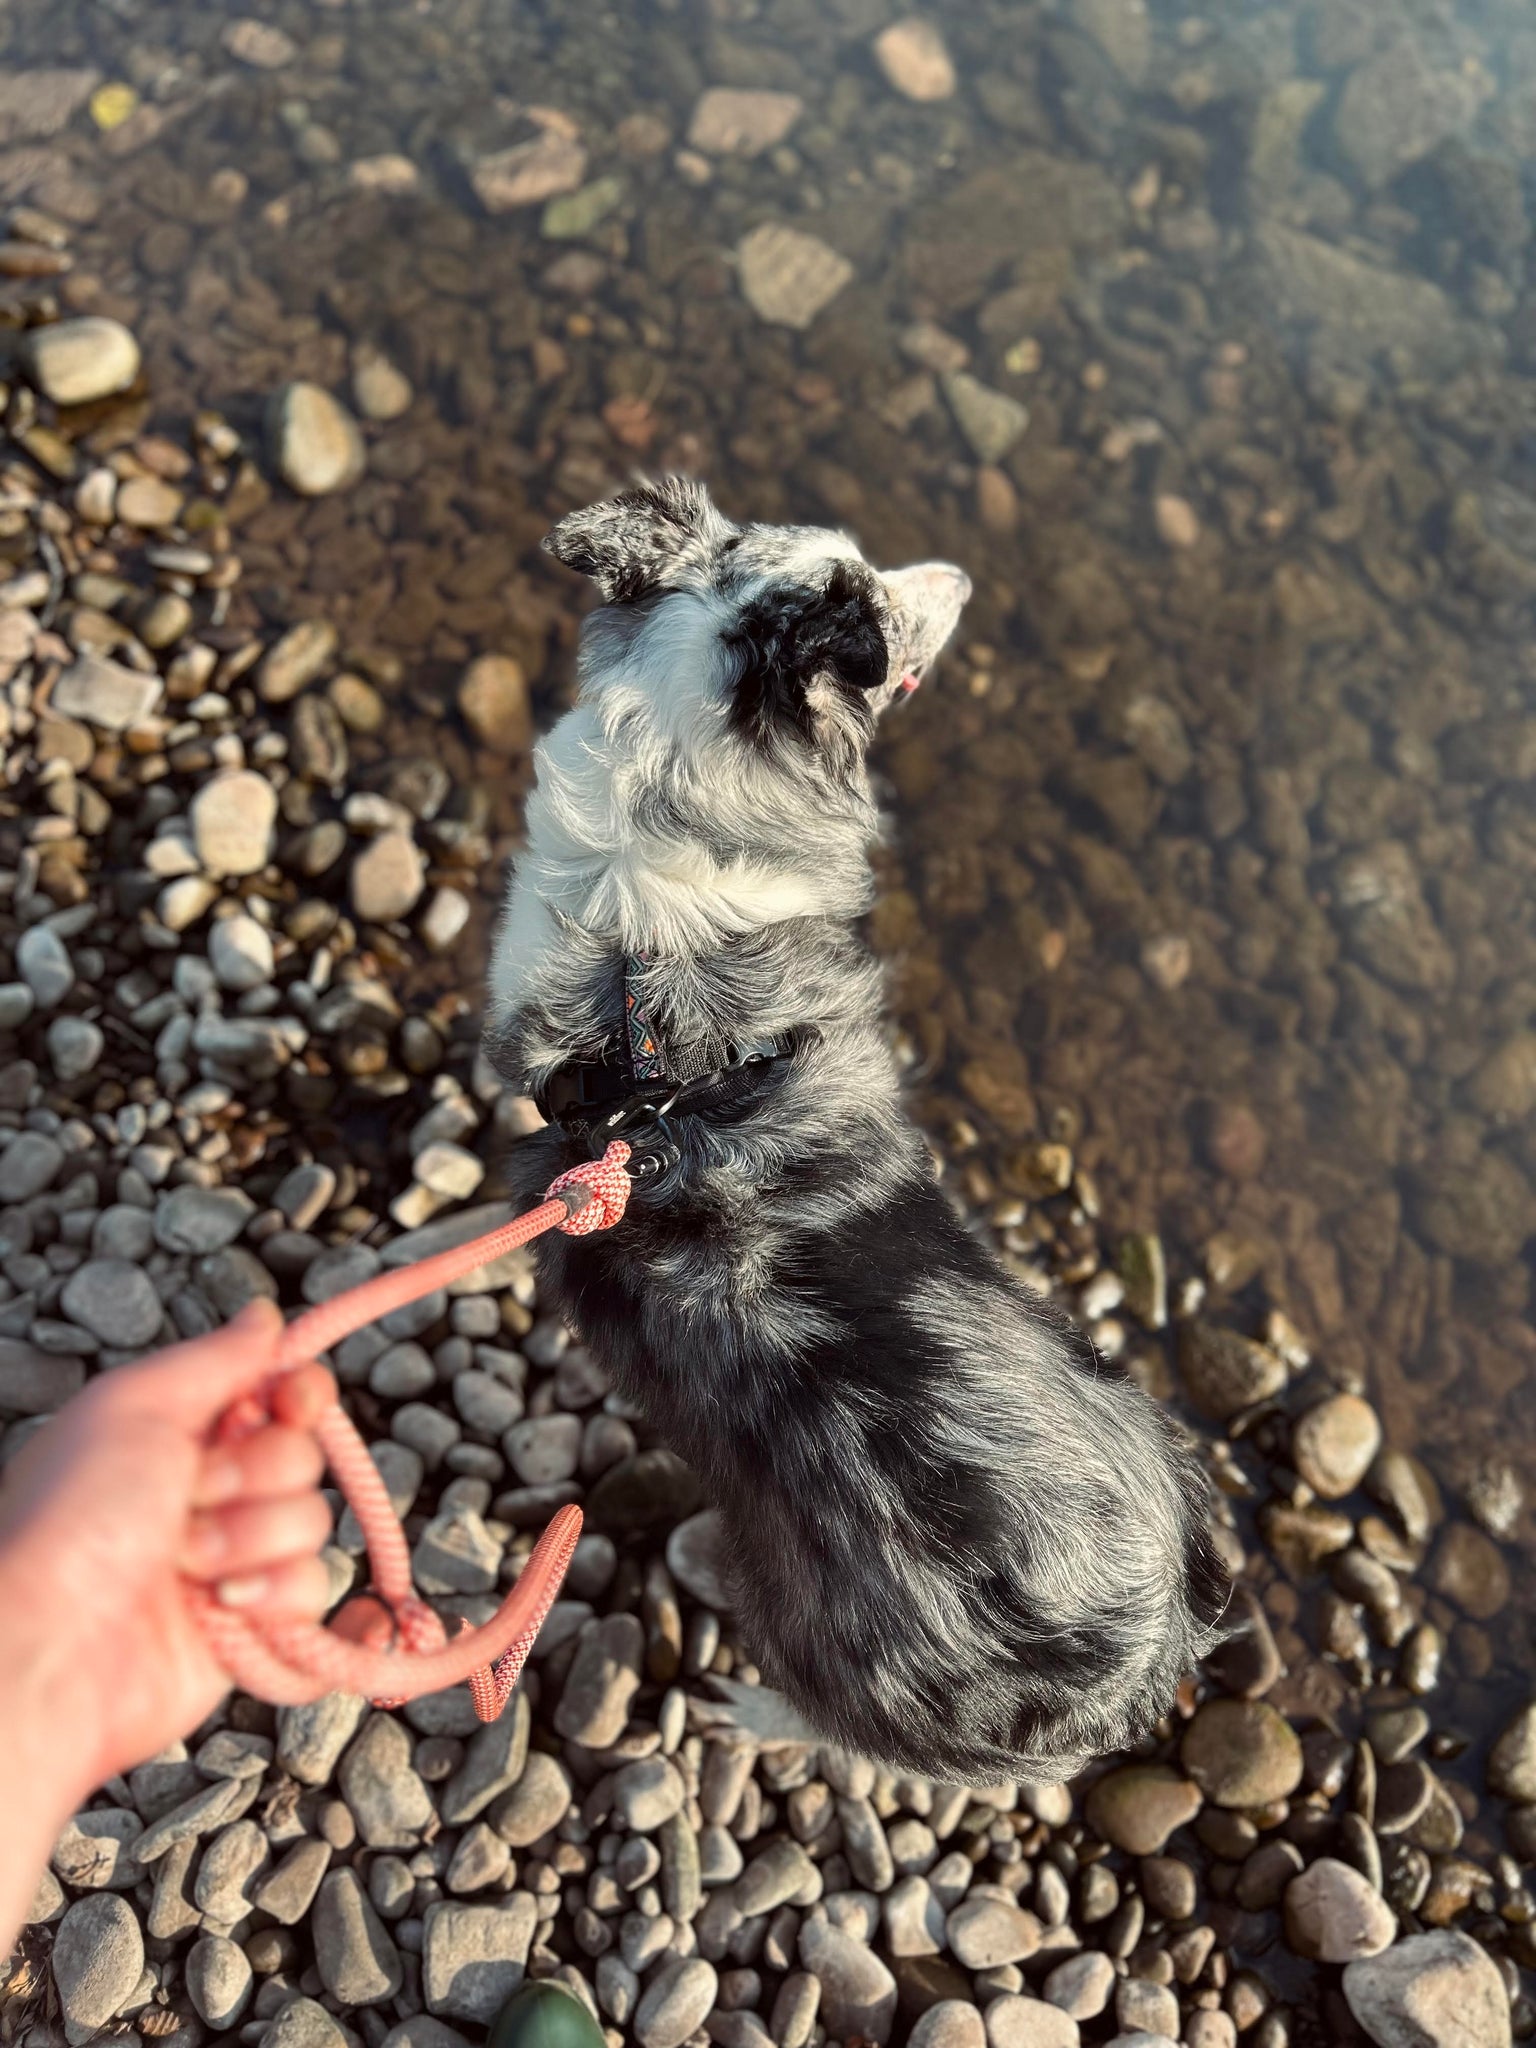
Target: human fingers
(302,1396)
(299,1590)
(264,1466)
(252,1536)
(191,1384)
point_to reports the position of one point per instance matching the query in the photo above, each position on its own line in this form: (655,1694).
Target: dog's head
(809,642)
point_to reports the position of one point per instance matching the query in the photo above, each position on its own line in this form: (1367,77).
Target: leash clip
(642,1123)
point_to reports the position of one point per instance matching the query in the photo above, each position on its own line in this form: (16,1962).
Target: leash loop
(387,1643)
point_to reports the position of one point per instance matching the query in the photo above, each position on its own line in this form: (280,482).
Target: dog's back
(960,1543)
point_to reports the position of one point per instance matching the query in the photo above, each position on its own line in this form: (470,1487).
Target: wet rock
(788,277)
(315,442)
(1359,307)
(1395,109)
(387,878)
(728,121)
(1430,1991)
(473,1957)
(380,390)
(577,213)
(76,362)
(1484,1213)
(991,421)
(115,1301)
(1123,31)
(1175,520)
(303,654)
(233,817)
(357,1961)
(259,43)
(530,172)
(105,693)
(677,2001)
(97,1959)
(1225,1372)
(1334,1915)
(1138,1806)
(1469,1568)
(493,696)
(1512,1761)
(1334,1445)
(913,56)
(858,1992)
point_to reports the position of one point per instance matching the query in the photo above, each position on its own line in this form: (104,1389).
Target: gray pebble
(288,1891)
(94,1851)
(357,1961)
(602,1681)
(123,1232)
(75,1047)
(473,1957)
(647,1793)
(858,1992)
(310,1738)
(543,1450)
(493,1762)
(675,2003)
(218,1979)
(201,1220)
(304,2023)
(535,1804)
(402,1373)
(115,1301)
(29,1164)
(98,1958)
(235,1856)
(43,963)
(378,1780)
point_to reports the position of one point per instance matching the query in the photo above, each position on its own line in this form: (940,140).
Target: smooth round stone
(98,1958)
(148,501)
(1242,1753)
(913,56)
(1334,1915)
(493,697)
(1013,2021)
(75,1047)
(1225,1372)
(218,1973)
(1081,1985)
(544,1449)
(544,2016)
(292,663)
(115,1301)
(380,391)
(1334,1444)
(380,1784)
(647,1793)
(858,1992)
(1431,1988)
(1137,1807)
(535,1804)
(233,817)
(986,1933)
(387,878)
(952,2023)
(43,962)
(75,362)
(675,2003)
(29,1164)
(240,953)
(1512,1763)
(357,1961)
(316,444)
(201,1220)
(696,1559)
(1469,1568)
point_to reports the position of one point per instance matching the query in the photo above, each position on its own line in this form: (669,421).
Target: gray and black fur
(960,1543)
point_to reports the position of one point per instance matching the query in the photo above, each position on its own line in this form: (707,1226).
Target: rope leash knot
(387,1643)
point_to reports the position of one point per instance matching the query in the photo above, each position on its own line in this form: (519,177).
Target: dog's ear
(788,640)
(631,544)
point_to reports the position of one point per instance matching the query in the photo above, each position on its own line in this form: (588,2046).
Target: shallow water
(1215,833)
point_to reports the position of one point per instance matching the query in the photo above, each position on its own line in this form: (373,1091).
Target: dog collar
(633,1090)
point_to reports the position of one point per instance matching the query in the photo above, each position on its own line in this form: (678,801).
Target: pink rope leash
(388,1644)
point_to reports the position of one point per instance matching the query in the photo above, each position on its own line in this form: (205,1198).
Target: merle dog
(959,1542)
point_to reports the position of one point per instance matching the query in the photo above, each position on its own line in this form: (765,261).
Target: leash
(387,1643)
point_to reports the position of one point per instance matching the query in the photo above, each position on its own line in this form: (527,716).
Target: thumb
(196,1381)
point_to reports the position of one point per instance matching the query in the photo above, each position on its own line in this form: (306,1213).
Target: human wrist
(48,1730)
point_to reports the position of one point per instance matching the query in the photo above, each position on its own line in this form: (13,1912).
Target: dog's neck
(671,837)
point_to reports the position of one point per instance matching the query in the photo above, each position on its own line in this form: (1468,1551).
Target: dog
(959,1543)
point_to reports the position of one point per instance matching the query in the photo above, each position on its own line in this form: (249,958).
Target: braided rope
(388,1644)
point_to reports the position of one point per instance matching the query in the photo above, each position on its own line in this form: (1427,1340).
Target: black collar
(632,1091)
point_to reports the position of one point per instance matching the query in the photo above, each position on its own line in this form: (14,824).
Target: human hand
(120,1497)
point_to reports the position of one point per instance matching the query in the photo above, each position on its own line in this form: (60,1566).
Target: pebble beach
(275,643)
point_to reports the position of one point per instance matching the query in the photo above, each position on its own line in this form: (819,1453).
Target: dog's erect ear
(632,544)
(788,638)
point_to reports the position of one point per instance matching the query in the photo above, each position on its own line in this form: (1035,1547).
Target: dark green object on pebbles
(544,2016)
